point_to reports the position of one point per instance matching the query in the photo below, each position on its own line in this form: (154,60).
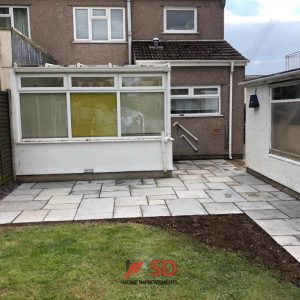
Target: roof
(217,50)
(276,77)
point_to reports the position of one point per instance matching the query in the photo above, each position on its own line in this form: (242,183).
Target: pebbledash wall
(93,157)
(259,158)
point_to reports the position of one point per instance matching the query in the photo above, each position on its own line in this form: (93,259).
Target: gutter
(230,108)
(129,31)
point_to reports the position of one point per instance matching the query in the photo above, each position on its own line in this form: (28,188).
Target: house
(174,50)
(273,129)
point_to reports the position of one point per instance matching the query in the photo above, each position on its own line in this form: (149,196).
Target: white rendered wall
(258,141)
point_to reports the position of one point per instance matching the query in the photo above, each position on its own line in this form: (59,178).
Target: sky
(264,31)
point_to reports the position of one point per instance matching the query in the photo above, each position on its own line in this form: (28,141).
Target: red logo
(160,268)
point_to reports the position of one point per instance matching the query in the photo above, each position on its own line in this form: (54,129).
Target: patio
(196,188)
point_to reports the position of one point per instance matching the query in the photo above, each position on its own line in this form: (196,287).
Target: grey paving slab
(83,192)
(155,211)
(25,186)
(191,177)
(54,185)
(264,188)
(280,226)
(129,182)
(128,201)
(87,187)
(290,208)
(90,196)
(244,188)
(206,200)
(32,192)
(162,197)
(148,181)
(259,196)
(18,198)
(186,167)
(95,208)
(104,182)
(282,196)
(61,206)
(127,212)
(192,194)
(265,214)
(254,205)
(143,186)
(31,216)
(88,215)
(8,217)
(156,202)
(219,179)
(179,188)
(65,199)
(48,193)
(195,181)
(109,188)
(172,182)
(153,191)
(179,172)
(225,196)
(222,208)
(247,179)
(24,205)
(294,251)
(218,186)
(60,215)
(198,172)
(185,207)
(196,186)
(287,240)
(115,194)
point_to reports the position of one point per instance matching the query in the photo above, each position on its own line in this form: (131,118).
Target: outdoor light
(253,101)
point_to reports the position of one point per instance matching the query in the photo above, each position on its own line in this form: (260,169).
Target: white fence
(292,61)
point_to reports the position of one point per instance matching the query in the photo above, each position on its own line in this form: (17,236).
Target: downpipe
(230,109)
(129,31)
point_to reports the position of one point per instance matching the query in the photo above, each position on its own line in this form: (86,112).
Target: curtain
(21,20)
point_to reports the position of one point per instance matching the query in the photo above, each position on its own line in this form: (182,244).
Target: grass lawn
(87,261)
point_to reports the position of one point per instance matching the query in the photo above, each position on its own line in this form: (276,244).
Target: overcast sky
(264,31)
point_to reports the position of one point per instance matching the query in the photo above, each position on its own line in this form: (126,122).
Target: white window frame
(11,16)
(194,9)
(191,95)
(297,100)
(68,90)
(106,18)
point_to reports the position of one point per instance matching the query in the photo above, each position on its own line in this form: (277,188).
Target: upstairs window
(16,17)
(180,20)
(99,24)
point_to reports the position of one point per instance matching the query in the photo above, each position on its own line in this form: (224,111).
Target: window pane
(286,92)
(21,20)
(117,24)
(99,30)
(206,91)
(42,81)
(94,115)
(99,12)
(5,22)
(141,81)
(44,115)
(4,10)
(82,24)
(142,113)
(179,92)
(195,106)
(93,82)
(286,129)
(180,20)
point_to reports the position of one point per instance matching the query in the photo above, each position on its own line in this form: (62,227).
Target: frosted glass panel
(205,91)
(195,106)
(286,92)
(99,12)
(117,24)
(286,129)
(94,115)
(142,81)
(93,82)
(142,113)
(82,24)
(180,20)
(42,81)
(99,30)
(44,115)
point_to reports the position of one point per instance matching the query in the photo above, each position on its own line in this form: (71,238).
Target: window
(44,115)
(138,81)
(16,17)
(285,106)
(40,82)
(99,24)
(195,101)
(93,82)
(142,113)
(180,20)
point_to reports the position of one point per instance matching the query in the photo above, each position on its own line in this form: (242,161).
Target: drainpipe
(230,108)
(129,32)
